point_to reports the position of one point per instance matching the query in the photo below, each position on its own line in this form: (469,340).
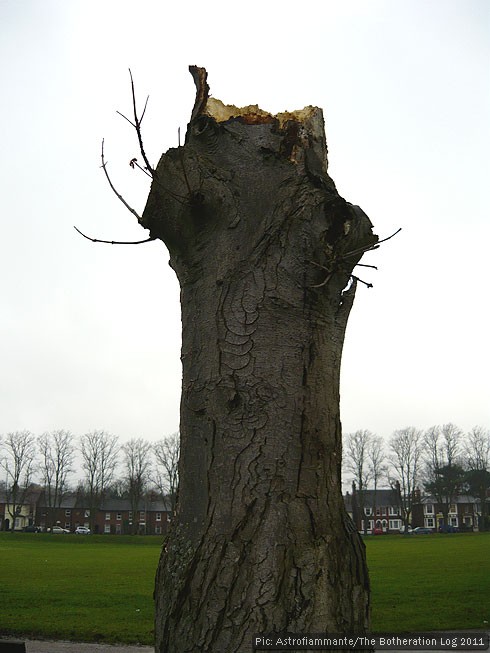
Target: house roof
(374,499)
(125,505)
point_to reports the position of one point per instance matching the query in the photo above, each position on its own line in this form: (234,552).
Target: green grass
(429,582)
(78,588)
(99,588)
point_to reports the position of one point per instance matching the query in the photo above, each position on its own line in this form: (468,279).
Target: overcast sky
(90,333)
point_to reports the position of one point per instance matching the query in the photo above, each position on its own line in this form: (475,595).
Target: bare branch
(368,285)
(126,118)
(137,122)
(370,247)
(114,242)
(120,197)
(134,164)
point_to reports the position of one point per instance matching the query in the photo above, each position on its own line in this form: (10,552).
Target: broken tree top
(242,172)
(309,120)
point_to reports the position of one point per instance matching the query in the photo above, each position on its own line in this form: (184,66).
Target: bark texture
(264,248)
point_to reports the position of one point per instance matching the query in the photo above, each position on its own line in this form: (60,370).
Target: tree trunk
(264,248)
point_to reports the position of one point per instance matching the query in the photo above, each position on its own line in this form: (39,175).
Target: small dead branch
(369,248)
(137,125)
(368,285)
(114,242)
(338,260)
(120,197)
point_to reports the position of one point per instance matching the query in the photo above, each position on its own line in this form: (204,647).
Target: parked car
(82,530)
(409,530)
(421,530)
(58,529)
(378,531)
(448,529)
(32,529)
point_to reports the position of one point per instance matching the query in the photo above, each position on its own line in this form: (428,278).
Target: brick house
(69,514)
(115,517)
(381,509)
(464,513)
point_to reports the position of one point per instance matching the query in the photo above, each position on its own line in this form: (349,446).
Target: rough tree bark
(264,248)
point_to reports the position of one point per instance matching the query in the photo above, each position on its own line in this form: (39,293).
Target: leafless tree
(376,458)
(17,459)
(137,465)
(99,451)
(477,477)
(166,476)
(406,447)
(443,471)
(477,448)
(57,450)
(356,462)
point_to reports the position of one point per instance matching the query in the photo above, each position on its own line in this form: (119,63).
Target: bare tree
(137,463)
(444,473)
(376,458)
(166,476)
(18,462)
(264,248)
(57,451)
(406,450)
(356,462)
(99,452)
(477,476)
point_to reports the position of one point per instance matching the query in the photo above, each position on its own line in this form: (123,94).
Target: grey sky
(90,333)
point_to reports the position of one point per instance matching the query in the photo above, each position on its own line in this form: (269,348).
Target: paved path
(35,646)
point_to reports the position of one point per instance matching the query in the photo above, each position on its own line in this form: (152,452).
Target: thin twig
(114,242)
(104,167)
(138,125)
(369,285)
(134,164)
(126,118)
(370,247)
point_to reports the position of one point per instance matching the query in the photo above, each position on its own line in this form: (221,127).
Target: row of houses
(112,516)
(115,516)
(382,512)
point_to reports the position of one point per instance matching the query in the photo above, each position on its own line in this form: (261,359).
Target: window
(107,516)
(158,530)
(453,521)
(429,509)
(378,511)
(87,513)
(67,525)
(130,516)
(429,522)
(107,528)
(142,515)
(159,516)
(393,511)
(118,516)
(67,513)
(395,524)
(452,508)
(367,511)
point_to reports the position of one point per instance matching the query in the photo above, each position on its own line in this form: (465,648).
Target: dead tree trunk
(264,248)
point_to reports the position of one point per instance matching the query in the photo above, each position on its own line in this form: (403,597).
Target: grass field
(429,582)
(99,588)
(96,588)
